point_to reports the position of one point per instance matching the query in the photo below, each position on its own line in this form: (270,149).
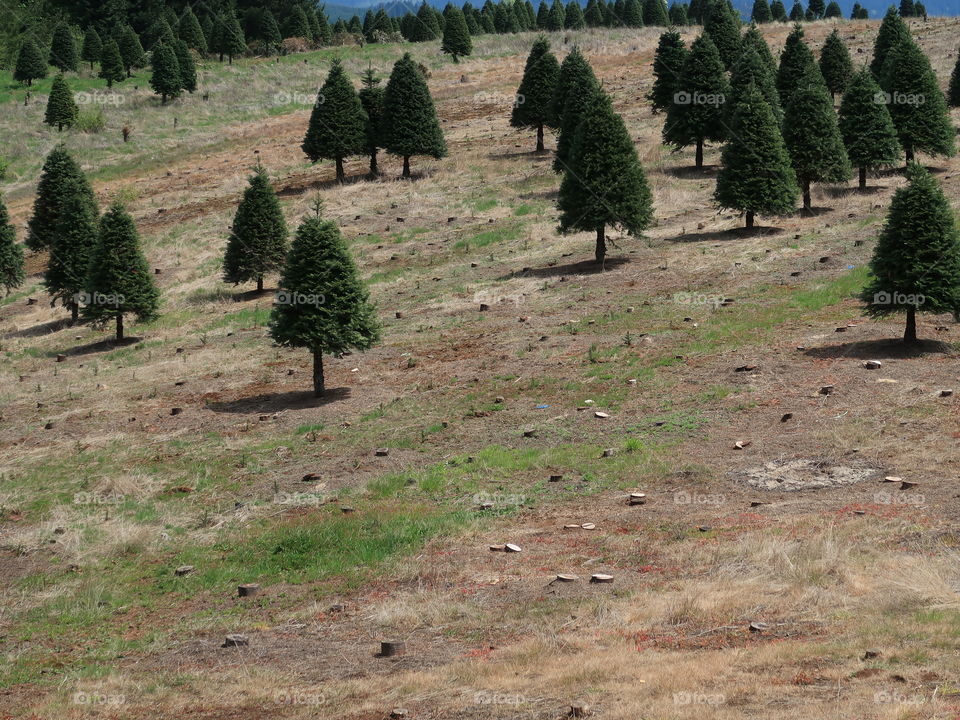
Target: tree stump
(248,590)
(392,648)
(236,641)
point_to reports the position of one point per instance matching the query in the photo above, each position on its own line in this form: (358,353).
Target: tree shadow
(730,234)
(548,194)
(692,171)
(885,348)
(299,188)
(842,192)
(274,402)
(584,267)
(534,154)
(46,328)
(812,212)
(100,346)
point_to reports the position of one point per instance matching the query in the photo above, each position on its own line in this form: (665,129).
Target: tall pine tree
(835,64)
(111,64)
(456,37)
(130,49)
(604,184)
(11,254)
(61,108)
(892,30)
(73,241)
(59,169)
(576,87)
(749,70)
(189,30)
(916,263)
(92,47)
(668,63)
(866,127)
(30,64)
(535,94)
(337,127)
(165,79)
(723,26)
(796,63)
(371,98)
(323,305)
(63,49)
(258,237)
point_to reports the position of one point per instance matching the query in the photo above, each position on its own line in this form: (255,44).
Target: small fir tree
(835,64)
(63,49)
(111,64)
(456,36)
(865,125)
(371,98)
(165,79)
(61,108)
(535,94)
(258,237)
(337,127)
(74,238)
(668,63)
(30,64)
(59,169)
(92,46)
(12,273)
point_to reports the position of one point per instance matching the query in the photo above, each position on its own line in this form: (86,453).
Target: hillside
(770,571)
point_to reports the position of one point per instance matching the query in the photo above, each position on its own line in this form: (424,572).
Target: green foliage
(892,30)
(833,10)
(258,237)
(796,12)
(30,63)
(678,14)
(761,12)
(953,94)
(723,26)
(189,30)
(697,113)
(427,27)
(668,64)
(655,13)
(410,126)
(119,281)
(916,263)
(74,238)
(576,85)
(456,36)
(917,106)
(270,32)
(573,16)
(63,49)
(536,91)
(130,49)
(371,98)
(92,46)
(604,183)
(61,109)
(865,124)
(779,11)
(756,175)
(11,254)
(338,124)
(165,79)
(229,38)
(111,63)
(186,65)
(835,64)
(796,62)
(749,70)
(297,24)
(59,170)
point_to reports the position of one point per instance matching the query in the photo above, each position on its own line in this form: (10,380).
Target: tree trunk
(909,153)
(260,284)
(340,174)
(749,218)
(374,170)
(863,178)
(910,333)
(601,250)
(74,313)
(540,137)
(699,153)
(406,166)
(807,205)
(119,325)
(318,387)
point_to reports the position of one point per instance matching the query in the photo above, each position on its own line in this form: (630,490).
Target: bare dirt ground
(770,572)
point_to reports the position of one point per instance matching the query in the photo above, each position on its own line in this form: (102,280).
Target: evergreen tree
(593,15)
(696,115)
(74,237)
(796,62)
(816,8)
(338,125)
(188,69)
(576,86)
(916,263)
(920,10)
(63,49)
(723,26)
(953,93)
(751,71)
(866,127)
(761,12)
(427,28)
(61,109)
(59,170)
(165,79)
(668,64)
(796,12)
(779,11)
(833,10)
(573,17)
(456,36)
(189,30)
(371,98)
(678,14)
(298,26)
(604,183)
(323,25)
(111,64)
(12,274)
(410,126)
(698,11)
(906,8)
(535,94)
(556,16)
(917,106)
(30,63)
(130,49)
(855,12)
(892,31)
(323,305)
(232,39)
(755,171)
(812,136)
(835,64)
(754,39)
(543,16)
(258,237)
(655,13)
(92,47)
(119,280)
(270,32)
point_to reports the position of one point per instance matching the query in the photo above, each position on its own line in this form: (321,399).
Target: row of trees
(399,118)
